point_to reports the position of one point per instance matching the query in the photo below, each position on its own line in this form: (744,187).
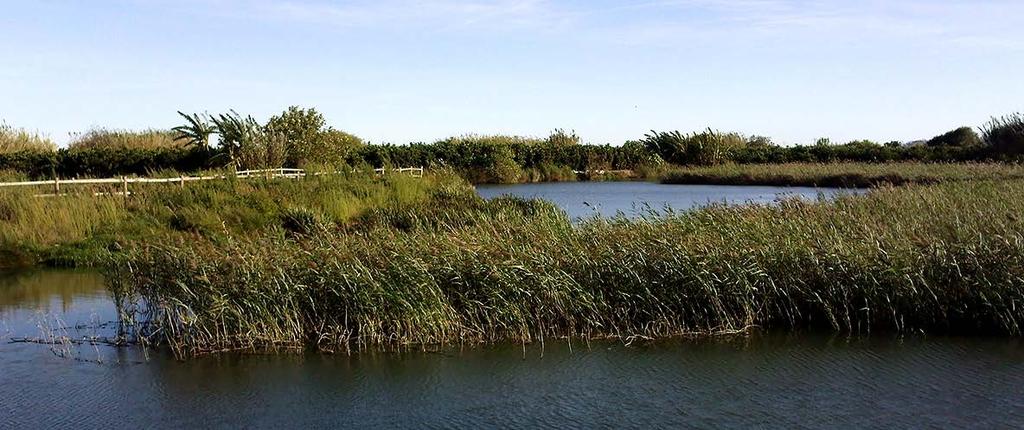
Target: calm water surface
(584,199)
(792,381)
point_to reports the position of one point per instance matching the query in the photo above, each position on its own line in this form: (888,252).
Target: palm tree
(235,133)
(197,132)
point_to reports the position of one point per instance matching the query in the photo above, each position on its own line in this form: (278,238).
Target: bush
(264,150)
(300,128)
(961,137)
(31,163)
(1005,135)
(335,148)
(100,162)
(308,139)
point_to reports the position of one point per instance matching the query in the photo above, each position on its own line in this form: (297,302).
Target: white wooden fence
(124,181)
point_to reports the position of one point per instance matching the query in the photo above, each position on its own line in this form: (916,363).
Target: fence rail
(124,181)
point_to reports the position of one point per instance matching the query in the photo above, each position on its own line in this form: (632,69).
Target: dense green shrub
(308,138)
(263,150)
(101,162)
(104,162)
(1005,135)
(32,163)
(960,137)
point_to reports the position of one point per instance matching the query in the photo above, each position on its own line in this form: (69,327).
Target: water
(768,380)
(584,199)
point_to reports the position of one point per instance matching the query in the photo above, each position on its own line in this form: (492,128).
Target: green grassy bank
(81,229)
(842,175)
(935,258)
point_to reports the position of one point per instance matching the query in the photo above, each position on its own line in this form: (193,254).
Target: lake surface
(767,380)
(584,199)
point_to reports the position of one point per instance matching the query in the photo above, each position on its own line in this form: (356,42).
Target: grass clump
(300,220)
(939,258)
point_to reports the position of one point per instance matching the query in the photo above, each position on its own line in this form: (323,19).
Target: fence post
(124,187)
(56,185)
(181,181)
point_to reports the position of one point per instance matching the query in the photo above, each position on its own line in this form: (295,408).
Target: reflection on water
(773,380)
(48,290)
(584,199)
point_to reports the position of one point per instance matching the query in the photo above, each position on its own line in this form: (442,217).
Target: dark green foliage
(301,220)
(858,151)
(961,137)
(32,163)
(104,162)
(1005,135)
(505,159)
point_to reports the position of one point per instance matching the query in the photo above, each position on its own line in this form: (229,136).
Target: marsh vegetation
(937,258)
(349,260)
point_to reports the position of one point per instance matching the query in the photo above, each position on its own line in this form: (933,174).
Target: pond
(774,380)
(584,199)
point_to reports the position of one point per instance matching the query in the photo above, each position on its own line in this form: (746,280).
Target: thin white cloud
(416,14)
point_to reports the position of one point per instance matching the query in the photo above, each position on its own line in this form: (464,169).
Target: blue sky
(400,71)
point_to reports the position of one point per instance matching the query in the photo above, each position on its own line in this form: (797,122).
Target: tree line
(300,137)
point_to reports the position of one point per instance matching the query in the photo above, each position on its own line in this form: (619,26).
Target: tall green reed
(943,258)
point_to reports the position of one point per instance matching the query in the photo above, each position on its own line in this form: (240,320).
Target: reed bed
(102,138)
(939,258)
(18,139)
(844,175)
